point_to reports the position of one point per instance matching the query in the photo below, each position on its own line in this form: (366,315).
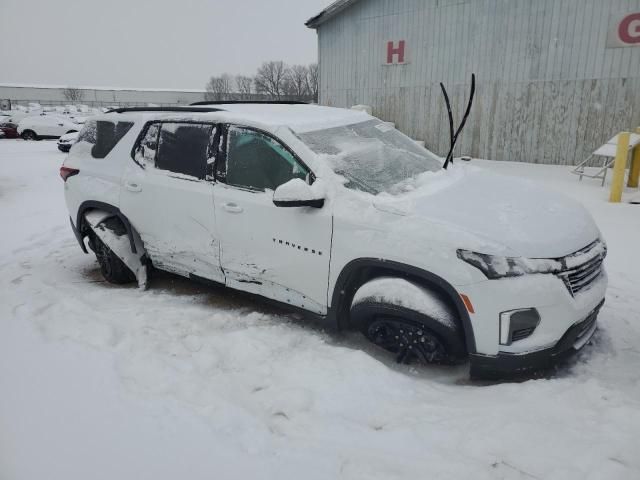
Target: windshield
(373,156)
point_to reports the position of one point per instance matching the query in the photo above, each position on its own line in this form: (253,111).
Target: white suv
(46,126)
(336,213)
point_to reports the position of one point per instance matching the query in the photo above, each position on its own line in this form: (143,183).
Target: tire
(413,337)
(29,135)
(112,268)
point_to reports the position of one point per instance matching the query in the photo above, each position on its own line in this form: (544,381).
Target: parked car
(66,141)
(15,116)
(337,214)
(10,130)
(46,126)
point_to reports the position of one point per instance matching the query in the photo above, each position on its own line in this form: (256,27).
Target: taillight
(66,172)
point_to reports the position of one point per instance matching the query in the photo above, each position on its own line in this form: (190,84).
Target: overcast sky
(146,43)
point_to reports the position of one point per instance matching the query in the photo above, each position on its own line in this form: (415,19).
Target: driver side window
(259,162)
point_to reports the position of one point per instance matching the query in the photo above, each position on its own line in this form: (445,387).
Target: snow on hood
(525,218)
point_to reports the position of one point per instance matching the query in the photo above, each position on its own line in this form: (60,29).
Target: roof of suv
(299,117)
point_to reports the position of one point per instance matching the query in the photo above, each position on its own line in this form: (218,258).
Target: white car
(337,214)
(46,126)
(66,141)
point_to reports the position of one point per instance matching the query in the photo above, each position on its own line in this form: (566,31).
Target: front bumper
(512,364)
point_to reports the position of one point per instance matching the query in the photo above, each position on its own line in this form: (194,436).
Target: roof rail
(251,102)
(186,108)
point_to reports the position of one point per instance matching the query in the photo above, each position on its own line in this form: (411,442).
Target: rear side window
(145,152)
(108,134)
(103,135)
(178,147)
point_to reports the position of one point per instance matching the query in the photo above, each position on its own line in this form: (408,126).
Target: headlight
(499,267)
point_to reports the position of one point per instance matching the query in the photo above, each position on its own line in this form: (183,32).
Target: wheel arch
(82,227)
(359,271)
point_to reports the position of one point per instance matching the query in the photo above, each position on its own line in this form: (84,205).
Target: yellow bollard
(634,171)
(620,165)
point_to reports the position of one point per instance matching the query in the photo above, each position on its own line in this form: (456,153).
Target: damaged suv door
(280,252)
(167,198)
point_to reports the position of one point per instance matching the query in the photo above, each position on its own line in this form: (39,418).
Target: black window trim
(143,132)
(222,161)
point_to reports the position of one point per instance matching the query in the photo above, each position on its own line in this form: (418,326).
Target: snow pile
(106,382)
(399,292)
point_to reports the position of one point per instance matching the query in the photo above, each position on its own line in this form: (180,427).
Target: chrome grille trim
(579,277)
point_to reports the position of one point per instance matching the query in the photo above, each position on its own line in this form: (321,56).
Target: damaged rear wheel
(112,268)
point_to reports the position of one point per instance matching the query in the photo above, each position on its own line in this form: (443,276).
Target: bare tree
(73,94)
(298,80)
(218,88)
(271,78)
(312,80)
(244,85)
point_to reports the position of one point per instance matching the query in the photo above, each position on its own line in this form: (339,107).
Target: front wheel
(29,135)
(408,341)
(420,328)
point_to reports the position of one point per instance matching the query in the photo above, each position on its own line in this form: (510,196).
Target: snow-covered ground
(104,382)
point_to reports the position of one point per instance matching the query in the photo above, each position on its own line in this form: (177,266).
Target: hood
(68,137)
(508,216)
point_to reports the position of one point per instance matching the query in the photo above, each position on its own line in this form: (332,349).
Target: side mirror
(298,193)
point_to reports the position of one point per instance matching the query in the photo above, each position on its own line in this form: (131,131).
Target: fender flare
(344,289)
(93,204)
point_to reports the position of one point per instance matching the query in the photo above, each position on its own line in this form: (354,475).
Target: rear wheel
(29,135)
(112,268)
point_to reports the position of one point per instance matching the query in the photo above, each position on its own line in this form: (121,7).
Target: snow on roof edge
(328,13)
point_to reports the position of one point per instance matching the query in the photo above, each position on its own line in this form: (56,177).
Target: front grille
(582,268)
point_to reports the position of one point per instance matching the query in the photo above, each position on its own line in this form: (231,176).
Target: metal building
(98,96)
(556,78)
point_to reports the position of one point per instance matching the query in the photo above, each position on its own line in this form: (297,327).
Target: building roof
(329,12)
(118,89)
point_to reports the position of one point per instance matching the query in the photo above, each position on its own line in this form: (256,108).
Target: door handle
(133,187)
(232,207)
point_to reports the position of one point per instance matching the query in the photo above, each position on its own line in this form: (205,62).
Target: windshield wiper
(454,136)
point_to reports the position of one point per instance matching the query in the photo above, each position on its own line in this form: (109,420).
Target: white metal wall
(549,89)
(99,97)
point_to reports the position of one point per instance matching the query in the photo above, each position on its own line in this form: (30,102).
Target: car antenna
(454,136)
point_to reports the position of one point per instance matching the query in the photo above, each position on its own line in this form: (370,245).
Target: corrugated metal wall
(549,91)
(99,97)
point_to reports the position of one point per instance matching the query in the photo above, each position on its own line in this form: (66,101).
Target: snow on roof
(328,13)
(300,118)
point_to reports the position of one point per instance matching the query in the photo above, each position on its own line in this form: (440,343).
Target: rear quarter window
(103,135)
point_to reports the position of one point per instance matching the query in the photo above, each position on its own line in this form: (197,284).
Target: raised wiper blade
(454,136)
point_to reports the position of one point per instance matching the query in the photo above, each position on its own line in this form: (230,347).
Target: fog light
(517,324)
